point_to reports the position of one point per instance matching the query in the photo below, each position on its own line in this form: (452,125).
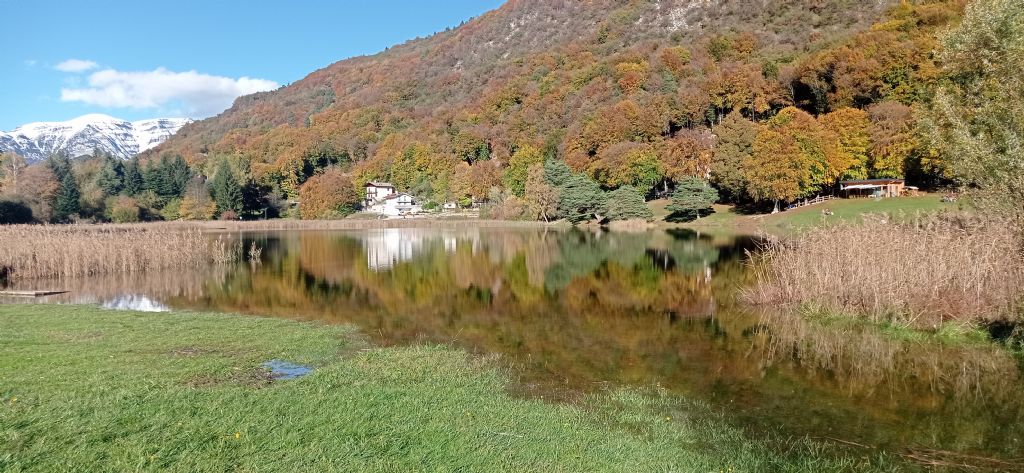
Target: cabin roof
(379,184)
(395,196)
(872,181)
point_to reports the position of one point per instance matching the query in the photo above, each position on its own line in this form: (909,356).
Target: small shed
(873,187)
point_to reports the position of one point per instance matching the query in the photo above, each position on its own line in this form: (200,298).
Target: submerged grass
(62,251)
(86,389)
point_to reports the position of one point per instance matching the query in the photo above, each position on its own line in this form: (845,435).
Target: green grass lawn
(86,389)
(853,209)
(725,216)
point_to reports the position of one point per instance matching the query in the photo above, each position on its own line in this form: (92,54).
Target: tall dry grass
(922,273)
(63,251)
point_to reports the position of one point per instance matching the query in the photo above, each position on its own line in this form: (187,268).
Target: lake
(572,311)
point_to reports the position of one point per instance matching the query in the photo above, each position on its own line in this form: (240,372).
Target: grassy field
(85,389)
(726,216)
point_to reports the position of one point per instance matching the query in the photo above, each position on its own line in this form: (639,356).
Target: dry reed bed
(921,274)
(63,251)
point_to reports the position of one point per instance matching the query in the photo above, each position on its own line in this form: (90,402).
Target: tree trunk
(776,209)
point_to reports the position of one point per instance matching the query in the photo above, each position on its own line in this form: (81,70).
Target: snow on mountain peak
(80,136)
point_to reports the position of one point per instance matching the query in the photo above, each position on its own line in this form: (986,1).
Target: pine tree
(691,198)
(66,203)
(111,176)
(226,190)
(627,203)
(66,200)
(178,175)
(133,182)
(556,172)
(581,199)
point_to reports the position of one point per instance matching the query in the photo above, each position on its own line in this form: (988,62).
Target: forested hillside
(765,100)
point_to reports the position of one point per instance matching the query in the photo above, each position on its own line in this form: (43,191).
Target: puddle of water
(136,303)
(281,369)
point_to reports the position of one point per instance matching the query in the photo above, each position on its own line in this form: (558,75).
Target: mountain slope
(450,69)
(597,83)
(82,135)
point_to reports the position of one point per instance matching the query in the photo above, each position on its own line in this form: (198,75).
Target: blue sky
(141,59)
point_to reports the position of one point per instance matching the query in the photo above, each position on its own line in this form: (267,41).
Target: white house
(377,191)
(395,205)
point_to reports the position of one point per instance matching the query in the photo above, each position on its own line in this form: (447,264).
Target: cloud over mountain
(197,94)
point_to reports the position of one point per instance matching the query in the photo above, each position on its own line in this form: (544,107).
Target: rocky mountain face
(82,135)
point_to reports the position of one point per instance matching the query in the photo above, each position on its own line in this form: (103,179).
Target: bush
(626,203)
(505,206)
(14,212)
(122,210)
(172,210)
(228,215)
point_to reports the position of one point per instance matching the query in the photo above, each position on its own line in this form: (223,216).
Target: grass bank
(727,217)
(85,389)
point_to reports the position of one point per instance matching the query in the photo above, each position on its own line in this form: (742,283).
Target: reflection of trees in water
(864,361)
(966,396)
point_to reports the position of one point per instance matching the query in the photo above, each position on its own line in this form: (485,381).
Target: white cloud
(200,95)
(30,62)
(76,65)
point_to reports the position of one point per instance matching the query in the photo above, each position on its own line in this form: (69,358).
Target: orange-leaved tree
(327,196)
(793,157)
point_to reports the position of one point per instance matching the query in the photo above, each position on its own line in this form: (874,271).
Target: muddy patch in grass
(189,352)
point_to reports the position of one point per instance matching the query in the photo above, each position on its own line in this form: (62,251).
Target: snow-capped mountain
(80,136)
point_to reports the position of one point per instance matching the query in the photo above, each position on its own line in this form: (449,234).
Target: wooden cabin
(873,188)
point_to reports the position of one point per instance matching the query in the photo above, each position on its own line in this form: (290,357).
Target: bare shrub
(921,274)
(61,251)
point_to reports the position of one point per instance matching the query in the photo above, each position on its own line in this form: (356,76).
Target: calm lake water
(575,311)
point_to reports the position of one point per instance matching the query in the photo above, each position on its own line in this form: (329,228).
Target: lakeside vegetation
(920,274)
(63,251)
(163,392)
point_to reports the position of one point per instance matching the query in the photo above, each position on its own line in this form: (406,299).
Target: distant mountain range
(82,135)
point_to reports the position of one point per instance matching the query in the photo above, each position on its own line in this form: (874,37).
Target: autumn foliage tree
(735,145)
(851,128)
(541,197)
(330,195)
(793,156)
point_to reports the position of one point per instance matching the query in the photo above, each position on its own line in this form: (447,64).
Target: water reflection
(577,309)
(136,303)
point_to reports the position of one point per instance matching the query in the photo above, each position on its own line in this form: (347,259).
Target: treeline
(104,188)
